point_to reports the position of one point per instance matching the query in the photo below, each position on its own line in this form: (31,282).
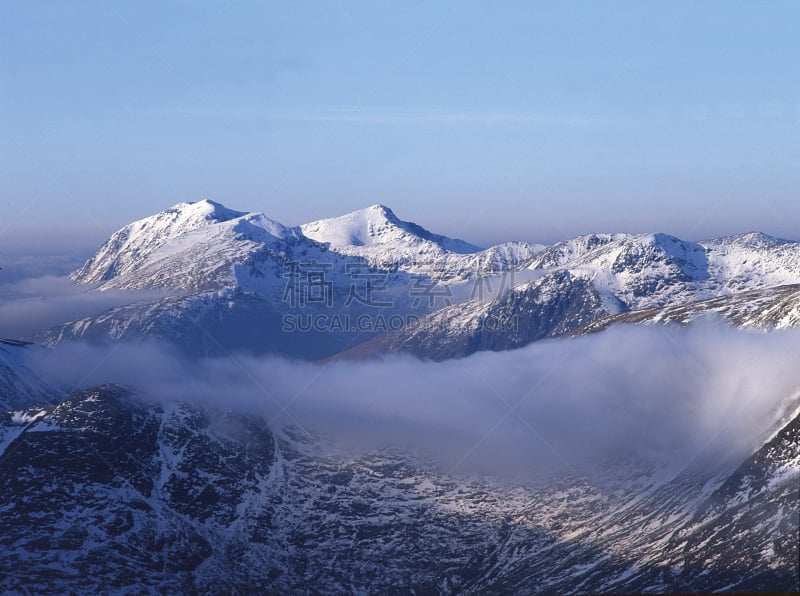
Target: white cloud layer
(34,304)
(673,396)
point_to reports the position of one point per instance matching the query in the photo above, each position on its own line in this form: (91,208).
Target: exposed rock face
(766,309)
(108,491)
(554,305)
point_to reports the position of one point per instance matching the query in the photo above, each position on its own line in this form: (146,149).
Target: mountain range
(236,281)
(594,281)
(230,278)
(106,488)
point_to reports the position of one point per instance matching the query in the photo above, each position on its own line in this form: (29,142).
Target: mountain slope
(211,324)
(19,387)
(763,309)
(231,279)
(613,278)
(385,241)
(550,306)
(107,490)
(128,248)
(378,225)
(750,525)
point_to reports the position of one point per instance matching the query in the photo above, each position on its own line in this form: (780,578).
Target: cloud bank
(675,397)
(33,304)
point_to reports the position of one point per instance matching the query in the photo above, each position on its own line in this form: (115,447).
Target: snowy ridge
(640,270)
(591,281)
(202,252)
(205,246)
(384,241)
(753,260)
(764,309)
(647,270)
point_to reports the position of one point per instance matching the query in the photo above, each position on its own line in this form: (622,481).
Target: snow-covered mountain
(110,491)
(229,280)
(648,270)
(556,304)
(764,309)
(231,277)
(385,241)
(200,246)
(136,245)
(378,226)
(206,246)
(615,277)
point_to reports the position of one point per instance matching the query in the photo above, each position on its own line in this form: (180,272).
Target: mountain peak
(205,209)
(382,210)
(129,246)
(751,240)
(375,214)
(378,225)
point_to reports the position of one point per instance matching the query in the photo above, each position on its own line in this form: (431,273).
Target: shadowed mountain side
(754,511)
(523,317)
(214,324)
(554,305)
(109,490)
(19,386)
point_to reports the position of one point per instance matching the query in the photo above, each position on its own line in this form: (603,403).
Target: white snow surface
(205,246)
(650,270)
(378,225)
(132,245)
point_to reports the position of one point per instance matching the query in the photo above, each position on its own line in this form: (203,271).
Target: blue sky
(489,121)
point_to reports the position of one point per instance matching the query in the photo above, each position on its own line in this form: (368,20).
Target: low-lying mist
(33,304)
(667,395)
